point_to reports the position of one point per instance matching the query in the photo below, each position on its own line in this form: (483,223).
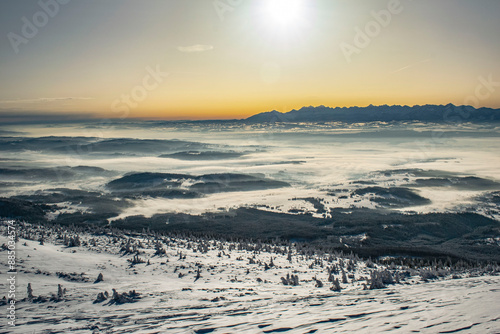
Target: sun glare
(283,13)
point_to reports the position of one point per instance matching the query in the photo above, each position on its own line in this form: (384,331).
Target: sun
(283,13)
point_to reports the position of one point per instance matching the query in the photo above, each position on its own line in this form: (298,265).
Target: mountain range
(449,113)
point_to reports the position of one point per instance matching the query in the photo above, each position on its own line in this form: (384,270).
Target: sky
(226,59)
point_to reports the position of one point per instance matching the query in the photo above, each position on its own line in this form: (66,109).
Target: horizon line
(40,117)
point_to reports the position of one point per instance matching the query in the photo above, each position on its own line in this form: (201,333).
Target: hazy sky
(186,59)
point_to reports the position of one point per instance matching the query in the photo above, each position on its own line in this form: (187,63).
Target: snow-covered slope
(191,285)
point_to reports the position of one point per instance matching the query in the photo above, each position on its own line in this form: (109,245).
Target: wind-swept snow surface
(181,284)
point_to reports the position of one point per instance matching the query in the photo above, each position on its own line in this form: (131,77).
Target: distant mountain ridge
(427,113)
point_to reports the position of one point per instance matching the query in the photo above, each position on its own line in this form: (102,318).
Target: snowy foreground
(187,285)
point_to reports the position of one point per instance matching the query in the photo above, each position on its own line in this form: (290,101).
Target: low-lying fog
(146,168)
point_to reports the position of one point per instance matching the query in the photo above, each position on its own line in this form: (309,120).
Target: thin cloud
(195,48)
(18,116)
(412,65)
(46,99)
